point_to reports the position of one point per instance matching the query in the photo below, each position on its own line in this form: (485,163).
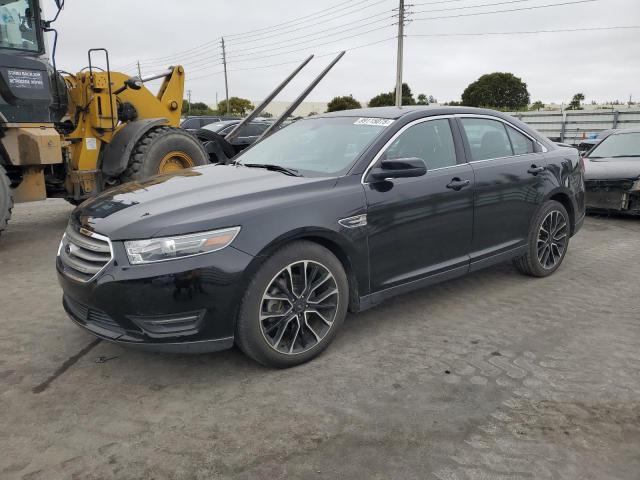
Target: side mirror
(399,168)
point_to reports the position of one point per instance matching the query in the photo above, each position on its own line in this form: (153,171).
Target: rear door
(510,181)
(420,227)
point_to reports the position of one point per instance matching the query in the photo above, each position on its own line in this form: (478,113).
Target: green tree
(502,91)
(197,108)
(343,103)
(538,105)
(422,99)
(237,106)
(389,99)
(576,102)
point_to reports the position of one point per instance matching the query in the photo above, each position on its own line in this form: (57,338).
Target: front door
(421,226)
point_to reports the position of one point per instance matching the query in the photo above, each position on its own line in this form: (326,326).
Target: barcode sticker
(92,143)
(376,122)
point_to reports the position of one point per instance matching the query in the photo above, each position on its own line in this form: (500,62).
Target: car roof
(399,112)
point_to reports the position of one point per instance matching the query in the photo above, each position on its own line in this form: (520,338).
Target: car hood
(612,168)
(193,200)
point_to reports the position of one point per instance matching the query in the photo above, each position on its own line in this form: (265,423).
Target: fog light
(175,324)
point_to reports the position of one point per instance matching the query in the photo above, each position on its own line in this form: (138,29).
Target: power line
(348,30)
(464,7)
(254,55)
(321,44)
(530,32)
(349,24)
(213,44)
(310,17)
(197,77)
(335,16)
(506,11)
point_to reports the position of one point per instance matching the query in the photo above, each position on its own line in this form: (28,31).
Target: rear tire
(294,306)
(6,199)
(548,241)
(163,150)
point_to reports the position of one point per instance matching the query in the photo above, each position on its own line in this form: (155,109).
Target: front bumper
(622,196)
(187,305)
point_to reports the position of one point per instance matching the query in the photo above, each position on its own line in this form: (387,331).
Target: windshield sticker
(376,122)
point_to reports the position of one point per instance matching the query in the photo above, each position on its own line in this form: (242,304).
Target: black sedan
(332,214)
(612,173)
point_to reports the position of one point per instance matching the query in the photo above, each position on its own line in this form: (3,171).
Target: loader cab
(26,76)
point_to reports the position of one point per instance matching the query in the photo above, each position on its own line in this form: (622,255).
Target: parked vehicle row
(336,212)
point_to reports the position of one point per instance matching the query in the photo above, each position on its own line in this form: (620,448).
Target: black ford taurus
(332,214)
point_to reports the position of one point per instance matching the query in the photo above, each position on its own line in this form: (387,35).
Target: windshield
(616,146)
(18,26)
(317,147)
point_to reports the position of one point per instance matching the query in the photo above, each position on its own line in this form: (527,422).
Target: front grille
(83,254)
(609,185)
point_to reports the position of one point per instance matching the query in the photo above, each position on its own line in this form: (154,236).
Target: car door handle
(534,170)
(457,184)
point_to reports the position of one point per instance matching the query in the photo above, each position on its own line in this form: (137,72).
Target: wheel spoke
(266,315)
(306,323)
(282,328)
(295,335)
(322,317)
(324,296)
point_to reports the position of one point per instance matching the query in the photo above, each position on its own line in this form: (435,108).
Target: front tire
(6,199)
(294,306)
(164,150)
(547,242)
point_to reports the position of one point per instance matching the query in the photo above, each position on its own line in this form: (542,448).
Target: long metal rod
(258,110)
(166,73)
(400,54)
(300,99)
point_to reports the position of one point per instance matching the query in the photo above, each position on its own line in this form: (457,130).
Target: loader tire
(6,199)
(163,150)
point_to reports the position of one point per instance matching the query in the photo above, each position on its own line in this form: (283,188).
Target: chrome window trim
(395,137)
(89,233)
(506,122)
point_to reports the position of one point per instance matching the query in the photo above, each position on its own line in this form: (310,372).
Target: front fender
(115,157)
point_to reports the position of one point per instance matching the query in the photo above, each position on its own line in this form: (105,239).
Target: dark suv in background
(333,213)
(194,123)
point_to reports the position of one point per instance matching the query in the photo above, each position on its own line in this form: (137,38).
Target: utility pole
(216,100)
(139,70)
(400,53)
(189,100)
(226,81)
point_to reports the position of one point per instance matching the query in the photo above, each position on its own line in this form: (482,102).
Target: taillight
(582,164)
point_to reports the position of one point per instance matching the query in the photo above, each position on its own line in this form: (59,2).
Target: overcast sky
(604,64)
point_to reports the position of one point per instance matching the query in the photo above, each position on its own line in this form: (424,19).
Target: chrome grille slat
(83,254)
(87,242)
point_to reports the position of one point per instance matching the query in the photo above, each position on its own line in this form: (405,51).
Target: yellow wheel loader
(73,135)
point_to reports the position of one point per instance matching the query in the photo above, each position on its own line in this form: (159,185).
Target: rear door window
(521,144)
(487,138)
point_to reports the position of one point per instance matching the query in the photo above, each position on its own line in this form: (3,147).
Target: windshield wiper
(274,168)
(625,156)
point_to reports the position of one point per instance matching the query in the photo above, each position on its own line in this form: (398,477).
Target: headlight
(171,248)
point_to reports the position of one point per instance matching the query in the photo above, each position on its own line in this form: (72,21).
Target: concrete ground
(493,376)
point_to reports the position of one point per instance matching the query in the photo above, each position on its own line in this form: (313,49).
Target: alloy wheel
(298,307)
(552,239)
